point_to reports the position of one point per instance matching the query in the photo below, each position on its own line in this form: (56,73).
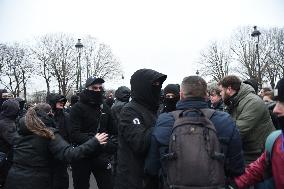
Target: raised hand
(102,138)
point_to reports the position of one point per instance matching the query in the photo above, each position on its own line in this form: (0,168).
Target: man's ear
(181,95)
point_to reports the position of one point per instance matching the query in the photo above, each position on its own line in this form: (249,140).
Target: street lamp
(257,33)
(79,47)
(197,72)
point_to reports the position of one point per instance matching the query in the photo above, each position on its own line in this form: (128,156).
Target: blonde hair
(35,125)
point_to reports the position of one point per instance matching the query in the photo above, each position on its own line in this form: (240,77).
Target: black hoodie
(61,118)
(137,119)
(142,89)
(10,110)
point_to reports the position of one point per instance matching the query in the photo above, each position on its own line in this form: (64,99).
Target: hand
(102,138)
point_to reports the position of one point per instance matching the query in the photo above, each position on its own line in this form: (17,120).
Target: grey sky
(160,34)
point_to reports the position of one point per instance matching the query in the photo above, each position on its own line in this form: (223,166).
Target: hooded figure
(171,97)
(137,118)
(122,95)
(60,178)
(4,95)
(87,117)
(10,110)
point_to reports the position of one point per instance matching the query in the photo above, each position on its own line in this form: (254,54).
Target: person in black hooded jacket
(122,95)
(87,117)
(171,97)
(10,110)
(61,119)
(137,119)
(35,146)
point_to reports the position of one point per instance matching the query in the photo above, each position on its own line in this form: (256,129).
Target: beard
(226,99)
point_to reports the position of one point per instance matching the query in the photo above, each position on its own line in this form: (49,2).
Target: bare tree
(244,49)
(55,55)
(215,61)
(42,58)
(98,60)
(63,62)
(15,67)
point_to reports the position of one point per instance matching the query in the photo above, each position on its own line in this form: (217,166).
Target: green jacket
(253,120)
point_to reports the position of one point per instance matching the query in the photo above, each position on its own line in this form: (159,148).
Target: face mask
(170,104)
(280,121)
(156,91)
(96,97)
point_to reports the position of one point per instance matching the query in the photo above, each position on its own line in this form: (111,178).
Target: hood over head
(10,108)
(253,83)
(142,89)
(122,94)
(172,88)
(279,91)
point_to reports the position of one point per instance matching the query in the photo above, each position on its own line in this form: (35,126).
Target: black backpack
(194,159)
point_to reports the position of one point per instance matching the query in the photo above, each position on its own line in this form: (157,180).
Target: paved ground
(93,184)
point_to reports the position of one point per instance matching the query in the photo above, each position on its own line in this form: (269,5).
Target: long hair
(35,125)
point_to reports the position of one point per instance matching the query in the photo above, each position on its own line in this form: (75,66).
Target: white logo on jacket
(136,121)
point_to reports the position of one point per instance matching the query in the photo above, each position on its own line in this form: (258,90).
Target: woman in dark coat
(37,144)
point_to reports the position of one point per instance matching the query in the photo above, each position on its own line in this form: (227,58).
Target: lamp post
(257,33)
(197,72)
(79,47)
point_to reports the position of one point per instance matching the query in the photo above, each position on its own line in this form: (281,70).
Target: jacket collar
(192,102)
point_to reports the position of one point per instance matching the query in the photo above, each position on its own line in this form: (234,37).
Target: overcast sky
(159,34)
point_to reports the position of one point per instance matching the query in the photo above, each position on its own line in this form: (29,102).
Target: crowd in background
(187,135)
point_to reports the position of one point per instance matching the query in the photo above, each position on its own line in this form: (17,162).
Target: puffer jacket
(253,120)
(33,156)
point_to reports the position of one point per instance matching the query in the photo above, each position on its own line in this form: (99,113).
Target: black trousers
(60,177)
(4,172)
(81,172)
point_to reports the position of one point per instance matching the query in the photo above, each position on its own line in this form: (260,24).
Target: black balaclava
(94,98)
(142,89)
(170,103)
(279,96)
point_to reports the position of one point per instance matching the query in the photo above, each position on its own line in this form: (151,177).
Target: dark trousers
(4,172)
(81,172)
(60,177)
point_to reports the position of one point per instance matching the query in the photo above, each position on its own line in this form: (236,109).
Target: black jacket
(61,117)
(122,95)
(33,157)
(137,119)
(87,119)
(10,109)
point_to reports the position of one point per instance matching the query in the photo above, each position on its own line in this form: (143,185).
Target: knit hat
(279,91)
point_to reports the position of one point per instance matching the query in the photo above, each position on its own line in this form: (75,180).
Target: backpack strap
(270,142)
(208,112)
(176,113)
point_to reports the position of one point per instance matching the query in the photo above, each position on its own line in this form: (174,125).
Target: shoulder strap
(208,112)
(176,113)
(270,142)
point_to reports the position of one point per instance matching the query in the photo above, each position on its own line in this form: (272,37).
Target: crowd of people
(187,135)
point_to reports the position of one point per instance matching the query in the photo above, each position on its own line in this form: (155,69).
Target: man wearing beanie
(88,117)
(270,163)
(137,120)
